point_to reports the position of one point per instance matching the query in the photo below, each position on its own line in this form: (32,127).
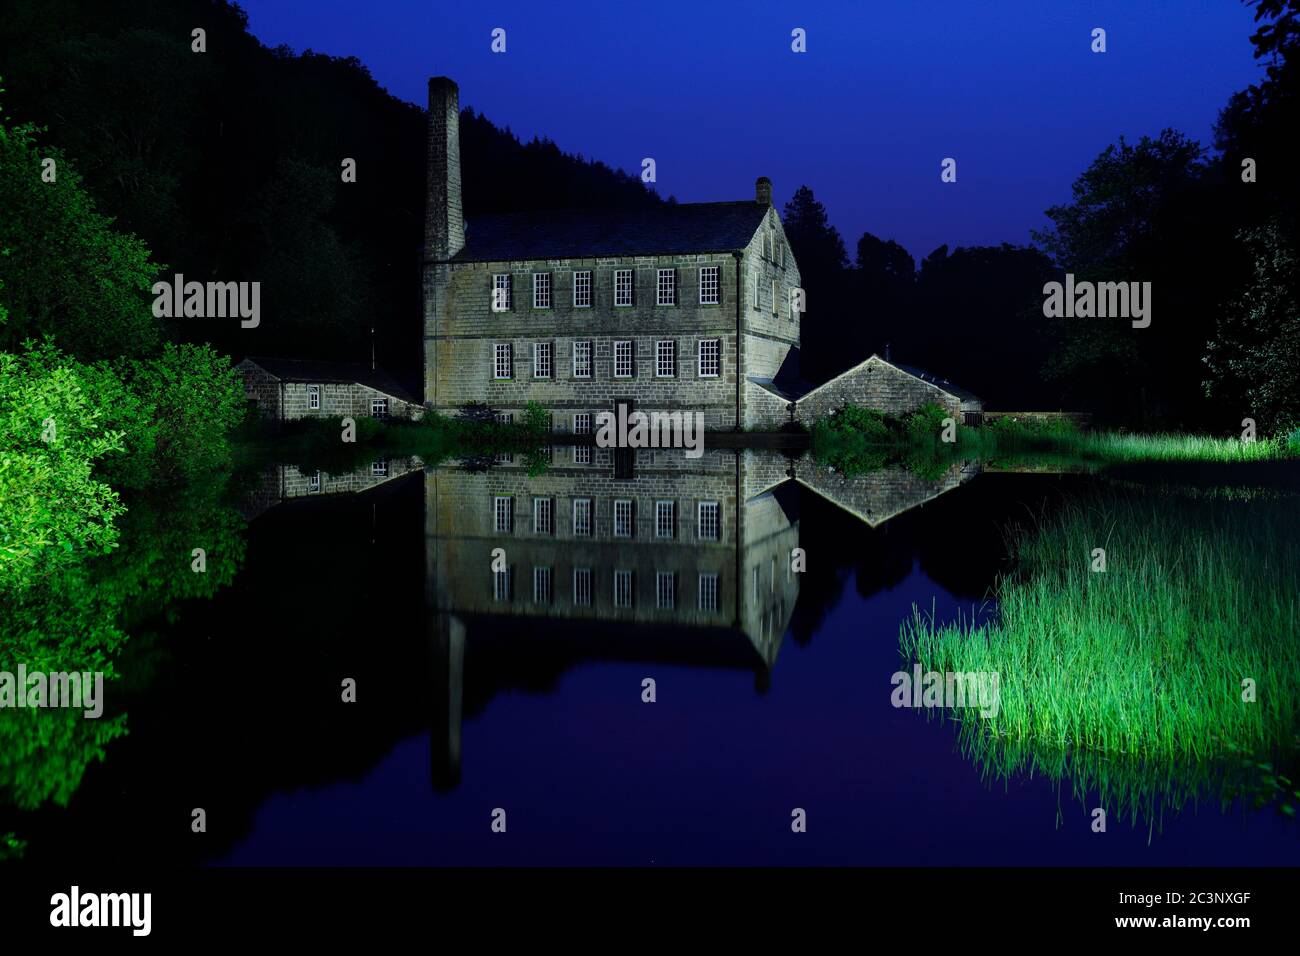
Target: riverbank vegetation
(857,440)
(1157,668)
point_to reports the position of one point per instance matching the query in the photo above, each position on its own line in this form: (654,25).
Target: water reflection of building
(680,561)
(281,483)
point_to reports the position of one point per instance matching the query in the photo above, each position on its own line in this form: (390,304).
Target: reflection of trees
(1129,683)
(80,619)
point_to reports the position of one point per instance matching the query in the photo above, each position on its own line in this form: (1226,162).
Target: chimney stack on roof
(763,191)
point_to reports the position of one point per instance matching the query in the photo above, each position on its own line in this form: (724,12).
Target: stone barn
(290,389)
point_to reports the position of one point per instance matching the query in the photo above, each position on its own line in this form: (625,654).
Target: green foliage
(53,512)
(926,423)
(67,273)
(1254,355)
(1128,680)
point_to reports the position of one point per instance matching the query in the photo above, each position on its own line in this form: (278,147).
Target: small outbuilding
(291,389)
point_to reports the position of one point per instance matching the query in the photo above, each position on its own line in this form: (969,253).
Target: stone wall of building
(874,384)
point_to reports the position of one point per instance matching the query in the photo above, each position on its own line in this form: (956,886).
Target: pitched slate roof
(956,390)
(312,370)
(668,229)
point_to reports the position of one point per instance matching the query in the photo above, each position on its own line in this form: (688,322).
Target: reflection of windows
(666,289)
(710,358)
(622,589)
(756,582)
(313,396)
(541,290)
(541,585)
(503,513)
(501,581)
(708,592)
(505,457)
(622,359)
(665,590)
(622,518)
(582,587)
(502,363)
(543,516)
(582,290)
(313,483)
(500,292)
(666,359)
(379,469)
(710,286)
(582,426)
(665,519)
(582,517)
(622,287)
(709,521)
(582,360)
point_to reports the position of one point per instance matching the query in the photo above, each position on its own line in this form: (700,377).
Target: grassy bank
(856,440)
(1125,680)
(319,444)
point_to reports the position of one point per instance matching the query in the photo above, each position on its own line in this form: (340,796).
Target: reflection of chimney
(444,224)
(763,191)
(886,351)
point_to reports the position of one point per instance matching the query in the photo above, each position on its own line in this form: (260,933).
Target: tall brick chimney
(762,190)
(444,224)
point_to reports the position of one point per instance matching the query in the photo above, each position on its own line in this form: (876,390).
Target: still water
(523,691)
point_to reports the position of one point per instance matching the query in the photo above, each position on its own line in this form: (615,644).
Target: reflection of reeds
(1129,681)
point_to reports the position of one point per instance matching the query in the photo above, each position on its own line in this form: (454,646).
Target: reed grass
(1128,680)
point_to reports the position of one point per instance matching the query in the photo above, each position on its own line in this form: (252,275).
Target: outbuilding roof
(314,370)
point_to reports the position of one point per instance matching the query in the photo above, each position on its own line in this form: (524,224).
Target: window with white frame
(582,517)
(622,517)
(313,396)
(708,526)
(666,287)
(622,287)
(502,360)
(582,290)
(501,590)
(582,587)
(543,359)
(541,290)
(708,592)
(623,360)
(543,516)
(501,292)
(379,469)
(775,300)
(379,408)
(666,359)
(541,585)
(665,519)
(710,285)
(503,514)
(313,483)
(582,426)
(582,360)
(710,355)
(622,589)
(665,590)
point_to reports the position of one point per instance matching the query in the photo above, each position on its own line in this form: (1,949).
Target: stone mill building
(687,307)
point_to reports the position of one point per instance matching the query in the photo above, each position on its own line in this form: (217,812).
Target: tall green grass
(1129,681)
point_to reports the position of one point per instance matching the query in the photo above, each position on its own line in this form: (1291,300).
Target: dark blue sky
(885,92)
